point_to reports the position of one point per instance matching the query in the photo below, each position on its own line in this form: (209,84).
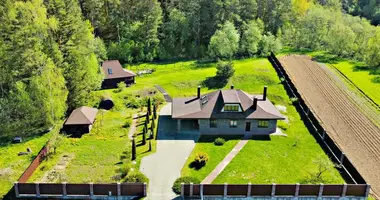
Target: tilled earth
(342,118)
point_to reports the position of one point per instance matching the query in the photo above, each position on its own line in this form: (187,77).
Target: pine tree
(154,111)
(133,149)
(149,107)
(150,145)
(152,125)
(144,135)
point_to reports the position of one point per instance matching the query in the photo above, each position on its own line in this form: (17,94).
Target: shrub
(186,179)
(282,79)
(219,141)
(135,177)
(200,160)
(133,103)
(121,86)
(128,123)
(293,100)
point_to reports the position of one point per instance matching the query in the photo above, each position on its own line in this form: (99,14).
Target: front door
(247,126)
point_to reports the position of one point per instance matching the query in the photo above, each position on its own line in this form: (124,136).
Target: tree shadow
(327,58)
(371,70)
(195,166)
(261,137)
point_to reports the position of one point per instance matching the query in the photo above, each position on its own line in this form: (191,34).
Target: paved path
(132,129)
(164,166)
(167,97)
(211,177)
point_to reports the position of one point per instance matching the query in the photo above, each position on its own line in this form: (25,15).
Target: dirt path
(132,128)
(339,114)
(218,169)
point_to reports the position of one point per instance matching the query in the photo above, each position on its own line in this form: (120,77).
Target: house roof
(113,69)
(82,116)
(210,106)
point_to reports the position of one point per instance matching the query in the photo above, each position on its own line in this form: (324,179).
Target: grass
(278,160)
(12,166)
(215,153)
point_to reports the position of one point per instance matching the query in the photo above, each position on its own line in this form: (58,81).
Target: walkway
(211,177)
(132,128)
(164,166)
(166,95)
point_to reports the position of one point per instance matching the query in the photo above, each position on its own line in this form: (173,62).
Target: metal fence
(274,190)
(337,155)
(33,165)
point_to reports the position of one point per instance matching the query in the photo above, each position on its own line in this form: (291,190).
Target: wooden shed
(115,73)
(80,121)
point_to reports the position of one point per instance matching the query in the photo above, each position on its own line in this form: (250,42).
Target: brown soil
(345,123)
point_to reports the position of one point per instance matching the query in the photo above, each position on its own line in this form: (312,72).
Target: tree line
(50,50)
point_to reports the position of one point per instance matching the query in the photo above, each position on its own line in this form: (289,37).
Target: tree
(225,70)
(133,149)
(150,145)
(251,37)
(152,124)
(324,165)
(154,111)
(149,107)
(225,42)
(144,134)
(268,44)
(373,50)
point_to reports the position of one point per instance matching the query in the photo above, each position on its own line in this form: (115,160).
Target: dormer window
(231,108)
(109,71)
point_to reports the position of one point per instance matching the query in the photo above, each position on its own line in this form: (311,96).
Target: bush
(135,177)
(128,123)
(133,103)
(293,100)
(219,141)
(121,86)
(200,160)
(186,179)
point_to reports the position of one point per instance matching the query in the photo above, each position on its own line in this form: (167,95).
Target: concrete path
(132,129)
(211,177)
(164,166)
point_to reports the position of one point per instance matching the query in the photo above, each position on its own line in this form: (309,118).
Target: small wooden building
(115,73)
(80,121)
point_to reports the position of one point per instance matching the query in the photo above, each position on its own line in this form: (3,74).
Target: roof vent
(109,71)
(204,102)
(203,97)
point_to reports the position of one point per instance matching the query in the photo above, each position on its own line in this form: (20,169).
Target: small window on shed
(109,71)
(213,123)
(263,124)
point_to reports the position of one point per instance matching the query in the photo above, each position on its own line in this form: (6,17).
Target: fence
(274,190)
(33,166)
(315,127)
(69,190)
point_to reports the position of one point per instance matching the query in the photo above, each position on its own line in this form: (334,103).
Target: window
(109,71)
(231,108)
(213,123)
(233,123)
(263,123)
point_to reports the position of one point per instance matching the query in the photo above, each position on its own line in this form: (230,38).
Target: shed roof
(82,116)
(210,106)
(113,69)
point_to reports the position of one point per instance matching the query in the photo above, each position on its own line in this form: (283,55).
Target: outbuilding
(115,73)
(80,121)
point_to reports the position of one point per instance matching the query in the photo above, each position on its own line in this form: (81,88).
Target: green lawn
(277,160)
(12,166)
(216,154)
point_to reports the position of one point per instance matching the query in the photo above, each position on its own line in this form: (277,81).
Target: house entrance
(247,126)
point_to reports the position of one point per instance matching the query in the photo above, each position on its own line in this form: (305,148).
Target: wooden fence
(33,166)
(274,190)
(70,190)
(350,173)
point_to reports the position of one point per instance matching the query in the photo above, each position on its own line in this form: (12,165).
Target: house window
(109,71)
(213,123)
(233,123)
(263,124)
(231,108)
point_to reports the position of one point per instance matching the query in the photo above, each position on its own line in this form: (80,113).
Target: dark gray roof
(211,104)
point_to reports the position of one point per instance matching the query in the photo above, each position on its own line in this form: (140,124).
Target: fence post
(182,190)
(273,193)
(368,188)
(341,159)
(144,189)
(16,189)
(37,189)
(225,190)
(344,190)
(324,134)
(191,189)
(91,189)
(118,189)
(320,193)
(64,189)
(201,190)
(249,189)
(297,192)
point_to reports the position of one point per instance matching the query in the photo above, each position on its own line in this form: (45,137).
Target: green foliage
(269,43)
(128,123)
(133,149)
(251,37)
(200,160)
(225,42)
(185,179)
(135,177)
(219,141)
(121,86)
(323,166)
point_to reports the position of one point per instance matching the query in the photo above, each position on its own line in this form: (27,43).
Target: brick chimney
(255,103)
(265,93)
(199,92)
(232,87)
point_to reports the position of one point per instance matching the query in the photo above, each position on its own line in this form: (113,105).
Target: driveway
(164,166)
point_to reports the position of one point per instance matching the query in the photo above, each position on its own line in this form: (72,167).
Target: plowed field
(339,114)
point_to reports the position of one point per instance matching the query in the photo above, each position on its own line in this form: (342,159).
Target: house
(226,112)
(80,121)
(115,73)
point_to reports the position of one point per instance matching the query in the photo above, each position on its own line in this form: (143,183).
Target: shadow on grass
(371,70)
(211,138)
(195,166)
(261,137)
(327,58)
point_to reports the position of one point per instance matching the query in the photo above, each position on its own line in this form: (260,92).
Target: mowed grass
(216,154)
(282,159)
(12,166)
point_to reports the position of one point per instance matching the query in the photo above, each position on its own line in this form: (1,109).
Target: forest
(51,50)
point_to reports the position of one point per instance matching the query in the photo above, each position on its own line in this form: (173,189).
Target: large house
(226,112)
(115,73)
